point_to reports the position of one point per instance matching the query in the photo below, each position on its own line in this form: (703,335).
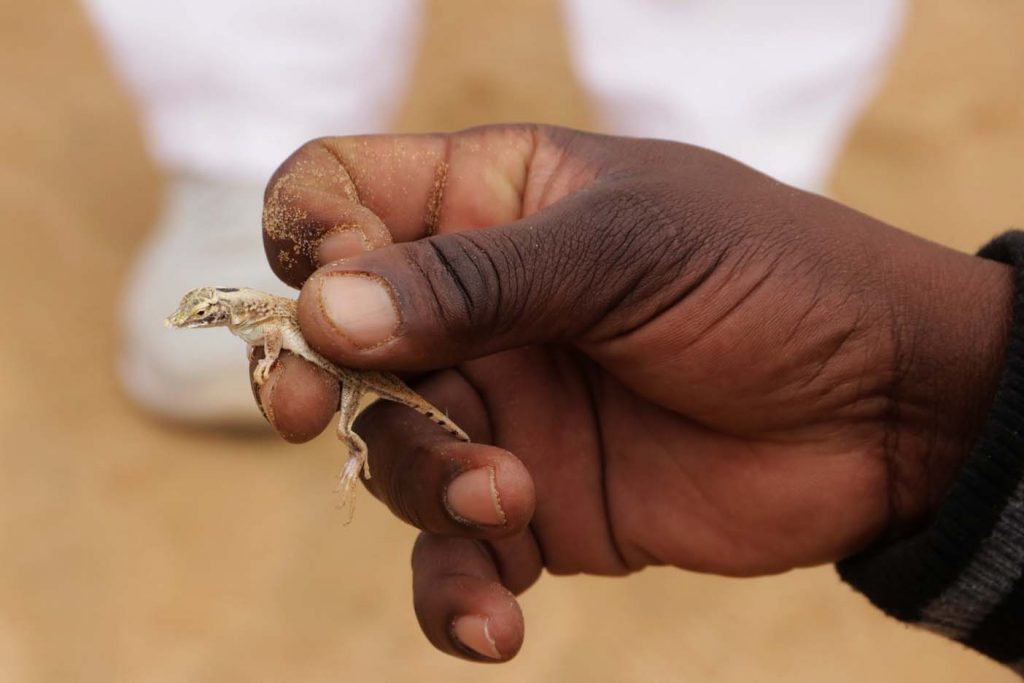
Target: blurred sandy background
(135,552)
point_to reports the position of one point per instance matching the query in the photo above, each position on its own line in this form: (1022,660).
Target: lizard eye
(201,312)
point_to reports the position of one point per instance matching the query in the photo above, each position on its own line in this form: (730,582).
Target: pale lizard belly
(252,334)
(292,340)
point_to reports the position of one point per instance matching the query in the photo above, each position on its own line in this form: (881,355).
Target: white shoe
(208,234)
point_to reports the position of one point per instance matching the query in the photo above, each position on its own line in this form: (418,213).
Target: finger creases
(337,197)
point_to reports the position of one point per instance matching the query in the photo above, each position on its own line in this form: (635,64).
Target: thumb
(594,265)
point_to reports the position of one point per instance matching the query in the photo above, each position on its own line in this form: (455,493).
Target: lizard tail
(407,397)
(442,420)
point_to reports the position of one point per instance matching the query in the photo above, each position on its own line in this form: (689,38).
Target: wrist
(951,329)
(961,575)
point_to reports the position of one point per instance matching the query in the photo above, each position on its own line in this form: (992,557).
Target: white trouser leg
(228,88)
(776,85)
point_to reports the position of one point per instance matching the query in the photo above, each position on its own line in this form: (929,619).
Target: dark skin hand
(662,357)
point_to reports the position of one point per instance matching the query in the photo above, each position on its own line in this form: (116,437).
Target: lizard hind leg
(349,475)
(358,461)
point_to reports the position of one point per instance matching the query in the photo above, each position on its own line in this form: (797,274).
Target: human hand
(663,356)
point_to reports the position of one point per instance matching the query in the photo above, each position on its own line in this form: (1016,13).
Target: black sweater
(963,576)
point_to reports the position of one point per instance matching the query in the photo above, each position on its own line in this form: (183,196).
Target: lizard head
(202,307)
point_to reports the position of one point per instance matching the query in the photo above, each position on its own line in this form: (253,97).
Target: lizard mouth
(215,318)
(180,321)
(186,325)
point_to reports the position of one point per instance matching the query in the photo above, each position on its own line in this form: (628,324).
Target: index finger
(336,197)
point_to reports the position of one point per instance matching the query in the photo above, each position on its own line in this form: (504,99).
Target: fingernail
(342,243)
(473,632)
(473,496)
(359,307)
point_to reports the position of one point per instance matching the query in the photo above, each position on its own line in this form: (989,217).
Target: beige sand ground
(135,552)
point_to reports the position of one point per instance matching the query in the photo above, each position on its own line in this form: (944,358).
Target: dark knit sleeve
(963,576)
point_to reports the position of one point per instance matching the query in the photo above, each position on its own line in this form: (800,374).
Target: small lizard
(270,321)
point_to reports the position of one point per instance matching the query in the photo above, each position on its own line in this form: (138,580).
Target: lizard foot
(346,488)
(261,373)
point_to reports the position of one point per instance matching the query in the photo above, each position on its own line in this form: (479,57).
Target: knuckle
(629,237)
(468,277)
(303,161)
(648,249)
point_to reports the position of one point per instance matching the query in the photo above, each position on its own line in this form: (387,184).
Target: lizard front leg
(272,343)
